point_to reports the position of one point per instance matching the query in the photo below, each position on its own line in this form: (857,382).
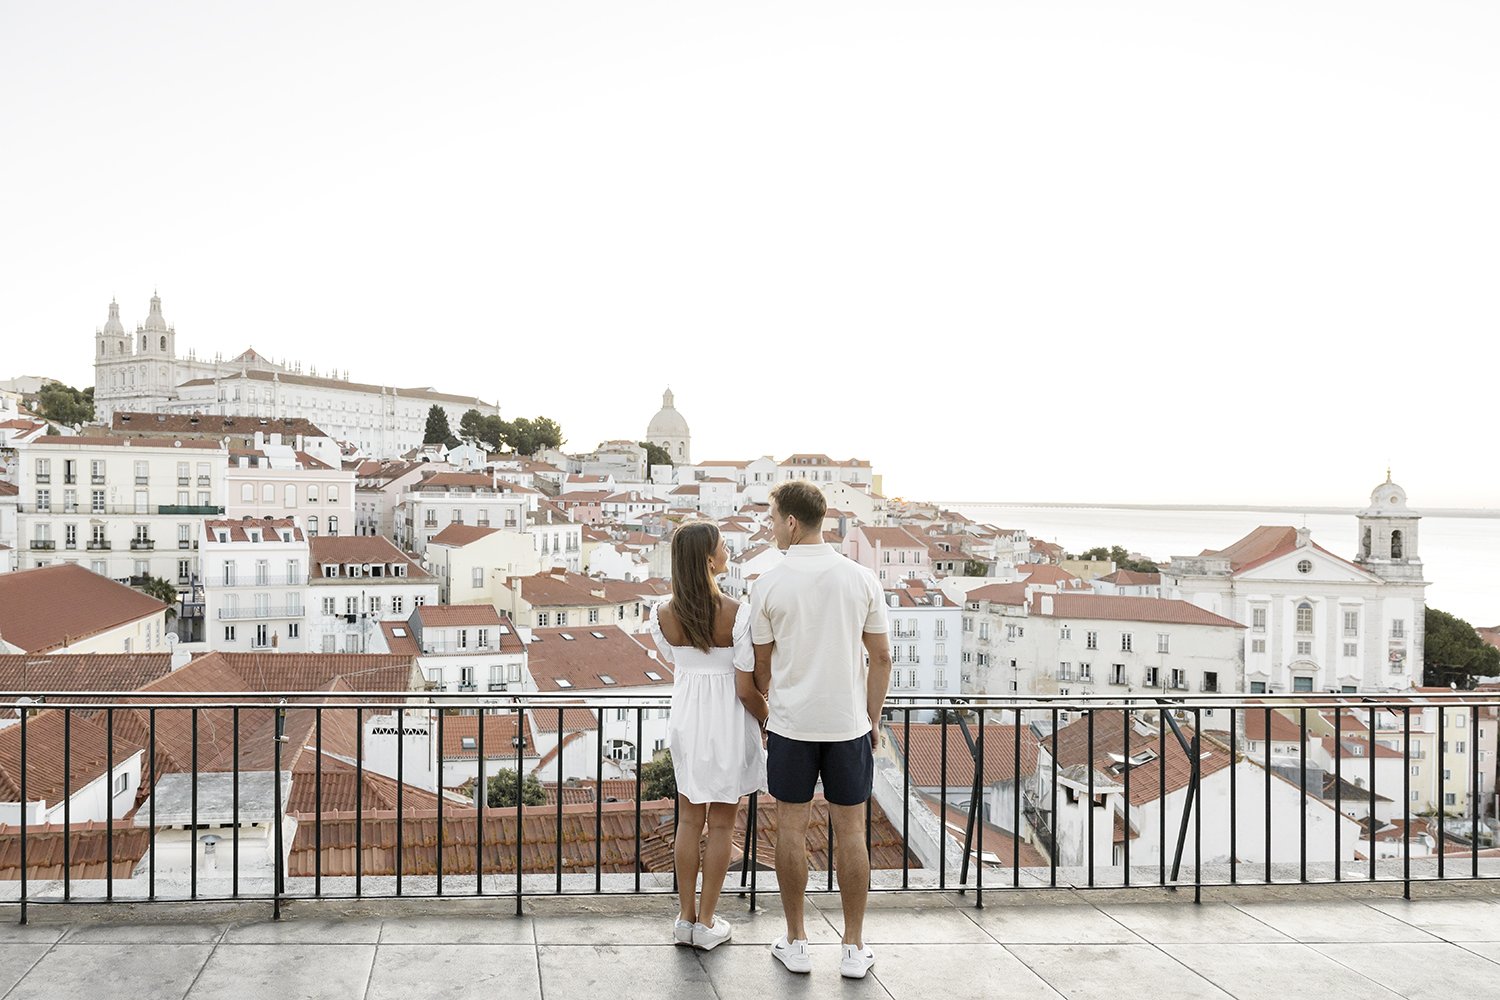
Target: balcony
(207,510)
(266,613)
(142,544)
(99,546)
(143,480)
(127,508)
(43,478)
(204,481)
(97,479)
(187,543)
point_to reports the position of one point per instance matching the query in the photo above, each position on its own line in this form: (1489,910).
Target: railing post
(279,885)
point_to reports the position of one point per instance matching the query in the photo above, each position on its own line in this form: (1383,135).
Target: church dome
(1387,497)
(155,320)
(113,325)
(668,423)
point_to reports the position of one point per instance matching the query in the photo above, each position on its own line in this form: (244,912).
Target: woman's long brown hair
(695,594)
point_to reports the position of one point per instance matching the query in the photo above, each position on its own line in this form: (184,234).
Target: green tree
(1453,653)
(438,431)
(501,789)
(1121,559)
(658,780)
(476,428)
(164,591)
(656,454)
(976,567)
(63,404)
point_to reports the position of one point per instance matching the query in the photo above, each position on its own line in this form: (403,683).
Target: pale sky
(1144,252)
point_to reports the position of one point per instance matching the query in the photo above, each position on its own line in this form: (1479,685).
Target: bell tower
(1388,542)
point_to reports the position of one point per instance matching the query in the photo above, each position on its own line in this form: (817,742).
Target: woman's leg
(716,856)
(690,818)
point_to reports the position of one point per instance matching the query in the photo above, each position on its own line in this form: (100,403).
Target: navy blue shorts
(794,766)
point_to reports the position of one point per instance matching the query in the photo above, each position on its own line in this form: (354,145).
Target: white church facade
(1314,620)
(142,372)
(669,429)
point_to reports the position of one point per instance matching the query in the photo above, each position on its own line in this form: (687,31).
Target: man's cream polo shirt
(815,605)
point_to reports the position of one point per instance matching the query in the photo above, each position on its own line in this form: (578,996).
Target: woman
(715,727)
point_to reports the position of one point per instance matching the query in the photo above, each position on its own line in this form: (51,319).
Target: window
(1257,687)
(96,502)
(329,605)
(911,678)
(968,625)
(1067,632)
(463,638)
(228,633)
(1257,645)
(1302,683)
(478,577)
(247,492)
(1162,641)
(333,494)
(1091,640)
(1117,673)
(43,500)
(1178,679)
(333,526)
(121,783)
(984,631)
(1304,618)
(396,604)
(543,619)
(312,526)
(293,630)
(1351,649)
(1152,678)
(939,678)
(1258,619)
(1398,628)
(594,615)
(1449,798)
(351,605)
(1351,623)
(562,618)
(289,497)
(1305,566)
(1126,640)
(418,600)
(312,493)
(1304,647)
(44,470)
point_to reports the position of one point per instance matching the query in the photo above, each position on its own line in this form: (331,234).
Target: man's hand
(876,739)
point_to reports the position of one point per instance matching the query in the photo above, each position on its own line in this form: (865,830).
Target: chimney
(1046,603)
(1304,535)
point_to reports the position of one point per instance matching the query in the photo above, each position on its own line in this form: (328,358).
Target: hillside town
(247,525)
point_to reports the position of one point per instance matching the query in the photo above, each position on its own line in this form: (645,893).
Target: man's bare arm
(877,644)
(763,667)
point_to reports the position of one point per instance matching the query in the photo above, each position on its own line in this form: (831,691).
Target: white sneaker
(682,932)
(708,938)
(792,954)
(856,961)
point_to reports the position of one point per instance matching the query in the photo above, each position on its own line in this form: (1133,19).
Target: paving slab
(285,971)
(1419,971)
(1320,922)
(1276,971)
(957,972)
(67,972)
(1110,971)
(646,972)
(455,972)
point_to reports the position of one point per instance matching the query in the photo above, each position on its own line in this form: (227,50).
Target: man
(814,616)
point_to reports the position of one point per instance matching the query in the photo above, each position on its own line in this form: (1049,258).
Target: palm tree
(164,591)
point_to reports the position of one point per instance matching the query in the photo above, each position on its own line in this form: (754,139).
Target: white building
(472,563)
(1317,622)
(434,502)
(254,584)
(125,508)
(143,372)
(379,488)
(926,637)
(356,583)
(67,609)
(558,541)
(279,481)
(466,647)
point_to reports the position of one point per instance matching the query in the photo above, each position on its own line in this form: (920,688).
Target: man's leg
(791,864)
(853,866)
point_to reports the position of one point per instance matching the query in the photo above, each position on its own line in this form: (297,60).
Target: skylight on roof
(563,682)
(568,637)
(653,675)
(597,635)
(468,743)
(505,630)
(398,632)
(606,678)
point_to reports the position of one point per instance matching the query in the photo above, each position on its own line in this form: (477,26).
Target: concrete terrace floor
(1324,942)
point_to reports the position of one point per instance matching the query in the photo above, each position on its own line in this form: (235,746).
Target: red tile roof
(1145,777)
(461,534)
(238,529)
(1013,594)
(593,653)
(86,851)
(560,590)
(1136,609)
(377,549)
(216,424)
(926,755)
(892,538)
(447,615)
(1130,578)
(461,737)
(53,606)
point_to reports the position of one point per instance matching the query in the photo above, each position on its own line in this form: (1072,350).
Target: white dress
(716,750)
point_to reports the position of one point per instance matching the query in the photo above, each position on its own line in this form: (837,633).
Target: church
(1315,621)
(142,372)
(669,429)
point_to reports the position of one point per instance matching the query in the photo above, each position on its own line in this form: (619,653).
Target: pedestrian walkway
(1247,946)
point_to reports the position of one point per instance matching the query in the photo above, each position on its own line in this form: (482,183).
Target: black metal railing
(970,793)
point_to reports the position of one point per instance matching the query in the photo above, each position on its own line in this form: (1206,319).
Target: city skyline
(1179,256)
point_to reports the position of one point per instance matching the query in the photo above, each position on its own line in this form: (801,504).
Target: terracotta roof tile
(52,606)
(1136,609)
(593,653)
(926,755)
(345,549)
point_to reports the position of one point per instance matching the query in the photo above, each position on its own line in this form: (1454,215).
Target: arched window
(1365,545)
(333,494)
(291,496)
(268,493)
(120,347)
(143,341)
(1305,618)
(312,526)
(333,527)
(312,494)
(1396,547)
